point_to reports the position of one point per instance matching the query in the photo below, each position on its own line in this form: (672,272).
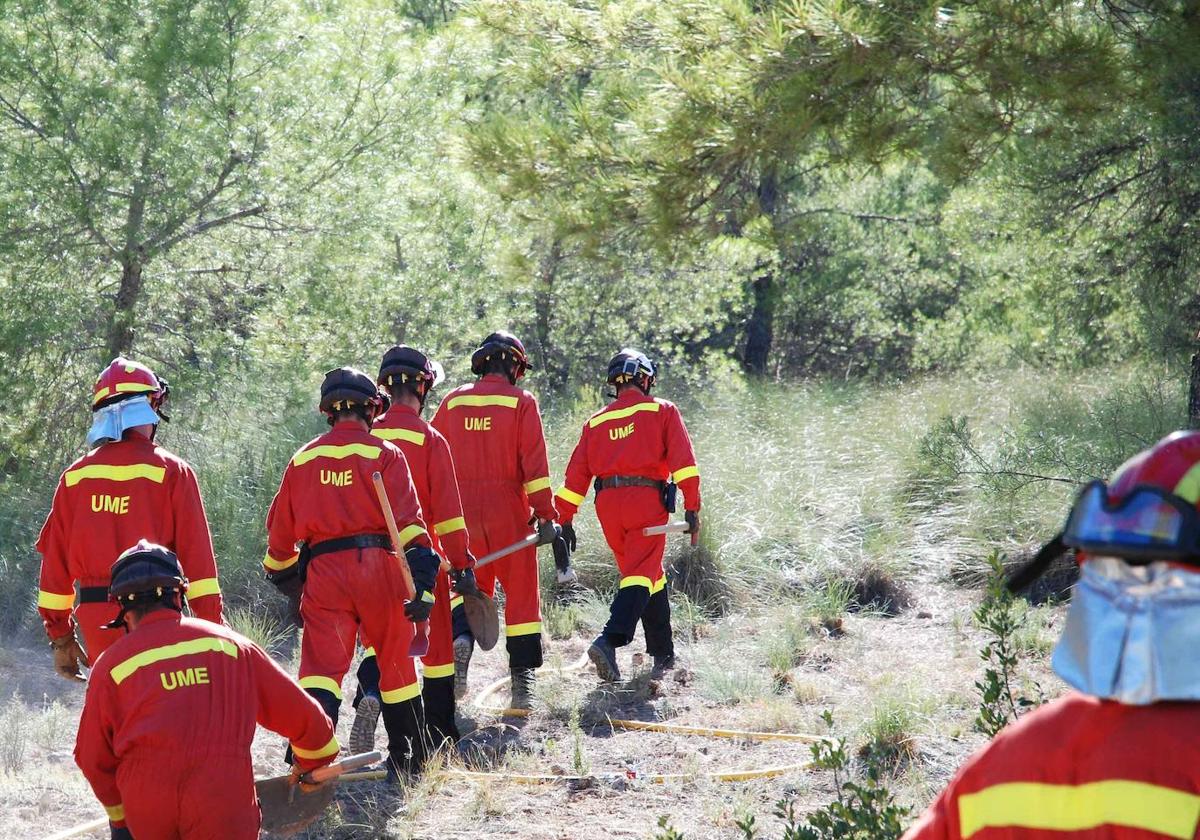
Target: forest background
(977,219)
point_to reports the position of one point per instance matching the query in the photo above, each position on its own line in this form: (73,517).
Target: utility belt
(666,489)
(93,594)
(308,552)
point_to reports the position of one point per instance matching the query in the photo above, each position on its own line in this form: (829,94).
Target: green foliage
(1000,700)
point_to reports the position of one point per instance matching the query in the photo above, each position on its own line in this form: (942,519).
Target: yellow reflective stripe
(1189,486)
(642,580)
(449,526)
(329,749)
(368,652)
(1045,807)
(399,695)
(202,587)
(526,629)
(324,684)
(410,533)
(537,484)
(569,496)
(123,670)
(362,450)
(123,388)
(482,401)
(621,413)
(113,473)
(456,602)
(428,597)
(435,672)
(54,601)
(685,473)
(116,813)
(400,434)
(277,565)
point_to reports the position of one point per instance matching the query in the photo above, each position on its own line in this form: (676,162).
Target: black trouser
(438,695)
(368,679)
(634,603)
(407,739)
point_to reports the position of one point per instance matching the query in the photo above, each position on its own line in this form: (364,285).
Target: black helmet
(408,364)
(348,387)
(632,366)
(507,346)
(145,573)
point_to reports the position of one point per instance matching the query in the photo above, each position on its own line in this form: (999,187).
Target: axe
(286,807)
(670,528)
(420,642)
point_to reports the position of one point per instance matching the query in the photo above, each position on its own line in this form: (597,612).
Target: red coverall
(432,469)
(1079,768)
(117,494)
(327,493)
(167,724)
(495,432)
(635,435)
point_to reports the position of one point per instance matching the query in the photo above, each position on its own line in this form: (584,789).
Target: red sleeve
(193,545)
(681,459)
(286,708)
(446,514)
(94,744)
(56,587)
(534,465)
(403,496)
(281,529)
(577,480)
(439,417)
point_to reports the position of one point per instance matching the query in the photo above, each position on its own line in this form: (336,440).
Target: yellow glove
(67,657)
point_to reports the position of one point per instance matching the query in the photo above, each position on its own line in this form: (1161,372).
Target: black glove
(121,833)
(567,531)
(464,582)
(418,609)
(693,521)
(547,531)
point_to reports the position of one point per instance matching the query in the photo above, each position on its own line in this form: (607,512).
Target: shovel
(480,609)
(287,808)
(420,642)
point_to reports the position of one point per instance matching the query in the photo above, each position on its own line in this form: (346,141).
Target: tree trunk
(1194,394)
(760,331)
(121,330)
(543,301)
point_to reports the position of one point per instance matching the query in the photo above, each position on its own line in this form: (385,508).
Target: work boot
(522,688)
(464,646)
(366,719)
(567,575)
(662,664)
(604,657)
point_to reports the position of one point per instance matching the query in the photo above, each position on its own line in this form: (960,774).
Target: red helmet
(1172,464)
(506,346)
(123,379)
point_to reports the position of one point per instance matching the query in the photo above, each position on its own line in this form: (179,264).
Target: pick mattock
(286,807)
(481,610)
(420,643)
(670,528)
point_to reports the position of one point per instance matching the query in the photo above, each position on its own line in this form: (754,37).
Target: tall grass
(803,483)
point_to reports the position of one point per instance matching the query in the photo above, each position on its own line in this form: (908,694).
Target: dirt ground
(919,666)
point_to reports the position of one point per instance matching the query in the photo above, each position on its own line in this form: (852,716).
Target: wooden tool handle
(507,550)
(669,528)
(394,533)
(351,762)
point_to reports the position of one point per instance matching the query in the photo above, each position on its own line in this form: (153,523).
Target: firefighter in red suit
(345,569)
(495,433)
(169,717)
(124,489)
(407,375)
(638,451)
(1118,758)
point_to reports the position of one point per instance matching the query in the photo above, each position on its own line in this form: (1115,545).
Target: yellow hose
(653,778)
(93,825)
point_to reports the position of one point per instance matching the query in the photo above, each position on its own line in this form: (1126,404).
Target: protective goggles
(1148,524)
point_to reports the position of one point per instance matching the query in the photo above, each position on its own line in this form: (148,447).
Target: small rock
(639,659)
(558,770)
(683,676)
(924,614)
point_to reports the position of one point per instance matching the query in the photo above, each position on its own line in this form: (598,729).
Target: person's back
(170,716)
(1078,767)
